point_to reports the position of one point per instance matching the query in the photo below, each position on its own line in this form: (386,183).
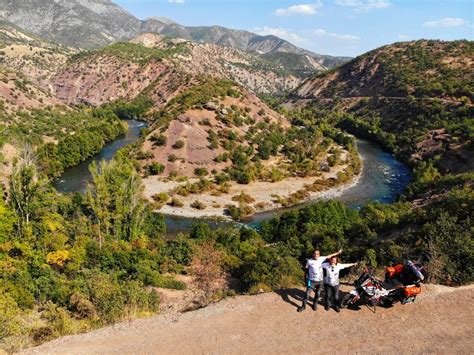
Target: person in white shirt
(331,270)
(313,276)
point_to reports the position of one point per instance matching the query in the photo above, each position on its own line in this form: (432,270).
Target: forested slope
(413,97)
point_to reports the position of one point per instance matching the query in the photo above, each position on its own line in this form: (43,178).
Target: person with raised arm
(313,276)
(331,270)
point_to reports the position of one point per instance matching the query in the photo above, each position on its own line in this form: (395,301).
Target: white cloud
(343,37)
(445,22)
(176,1)
(279,32)
(301,9)
(364,5)
(403,37)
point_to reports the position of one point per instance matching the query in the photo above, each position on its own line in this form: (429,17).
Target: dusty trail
(442,321)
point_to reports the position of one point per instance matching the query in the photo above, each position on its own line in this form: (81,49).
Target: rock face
(75,23)
(95,23)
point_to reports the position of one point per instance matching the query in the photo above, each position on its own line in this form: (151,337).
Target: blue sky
(337,27)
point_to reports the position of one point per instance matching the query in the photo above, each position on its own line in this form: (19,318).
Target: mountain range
(90,24)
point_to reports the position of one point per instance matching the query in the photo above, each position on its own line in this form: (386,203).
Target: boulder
(211,106)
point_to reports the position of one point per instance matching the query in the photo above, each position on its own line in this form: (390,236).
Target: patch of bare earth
(175,301)
(440,322)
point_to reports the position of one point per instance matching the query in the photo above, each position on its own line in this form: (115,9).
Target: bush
(201,172)
(115,301)
(156,168)
(172,158)
(159,139)
(82,307)
(207,268)
(243,198)
(161,198)
(198,205)
(240,212)
(178,144)
(175,202)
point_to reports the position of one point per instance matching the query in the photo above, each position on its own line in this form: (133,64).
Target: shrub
(221,158)
(82,307)
(205,122)
(201,172)
(172,158)
(156,168)
(238,213)
(207,268)
(60,322)
(10,323)
(242,176)
(115,301)
(161,198)
(243,198)
(141,155)
(276,175)
(159,139)
(175,202)
(178,144)
(198,205)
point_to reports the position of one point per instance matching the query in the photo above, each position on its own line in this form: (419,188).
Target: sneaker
(337,309)
(301,308)
(315,306)
(326,308)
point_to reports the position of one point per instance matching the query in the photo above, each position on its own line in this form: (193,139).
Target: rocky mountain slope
(36,59)
(433,69)
(26,65)
(74,23)
(268,323)
(415,96)
(162,66)
(270,47)
(96,23)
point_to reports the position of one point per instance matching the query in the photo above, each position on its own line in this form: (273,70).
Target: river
(75,179)
(382,179)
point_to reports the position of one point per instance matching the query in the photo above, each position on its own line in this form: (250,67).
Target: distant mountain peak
(165,20)
(91,24)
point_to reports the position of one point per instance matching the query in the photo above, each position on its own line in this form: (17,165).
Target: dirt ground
(441,321)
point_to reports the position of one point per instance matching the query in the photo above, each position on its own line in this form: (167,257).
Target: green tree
(114,197)
(24,186)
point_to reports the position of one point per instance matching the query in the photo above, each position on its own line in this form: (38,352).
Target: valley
(225,130)
(142,158)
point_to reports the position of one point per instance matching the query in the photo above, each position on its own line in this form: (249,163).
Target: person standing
(331,281)
(313,275)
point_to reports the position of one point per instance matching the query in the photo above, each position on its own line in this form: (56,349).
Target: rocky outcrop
(75,23)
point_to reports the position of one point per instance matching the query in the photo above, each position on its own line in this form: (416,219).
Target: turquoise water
(383,179)
(75,179)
